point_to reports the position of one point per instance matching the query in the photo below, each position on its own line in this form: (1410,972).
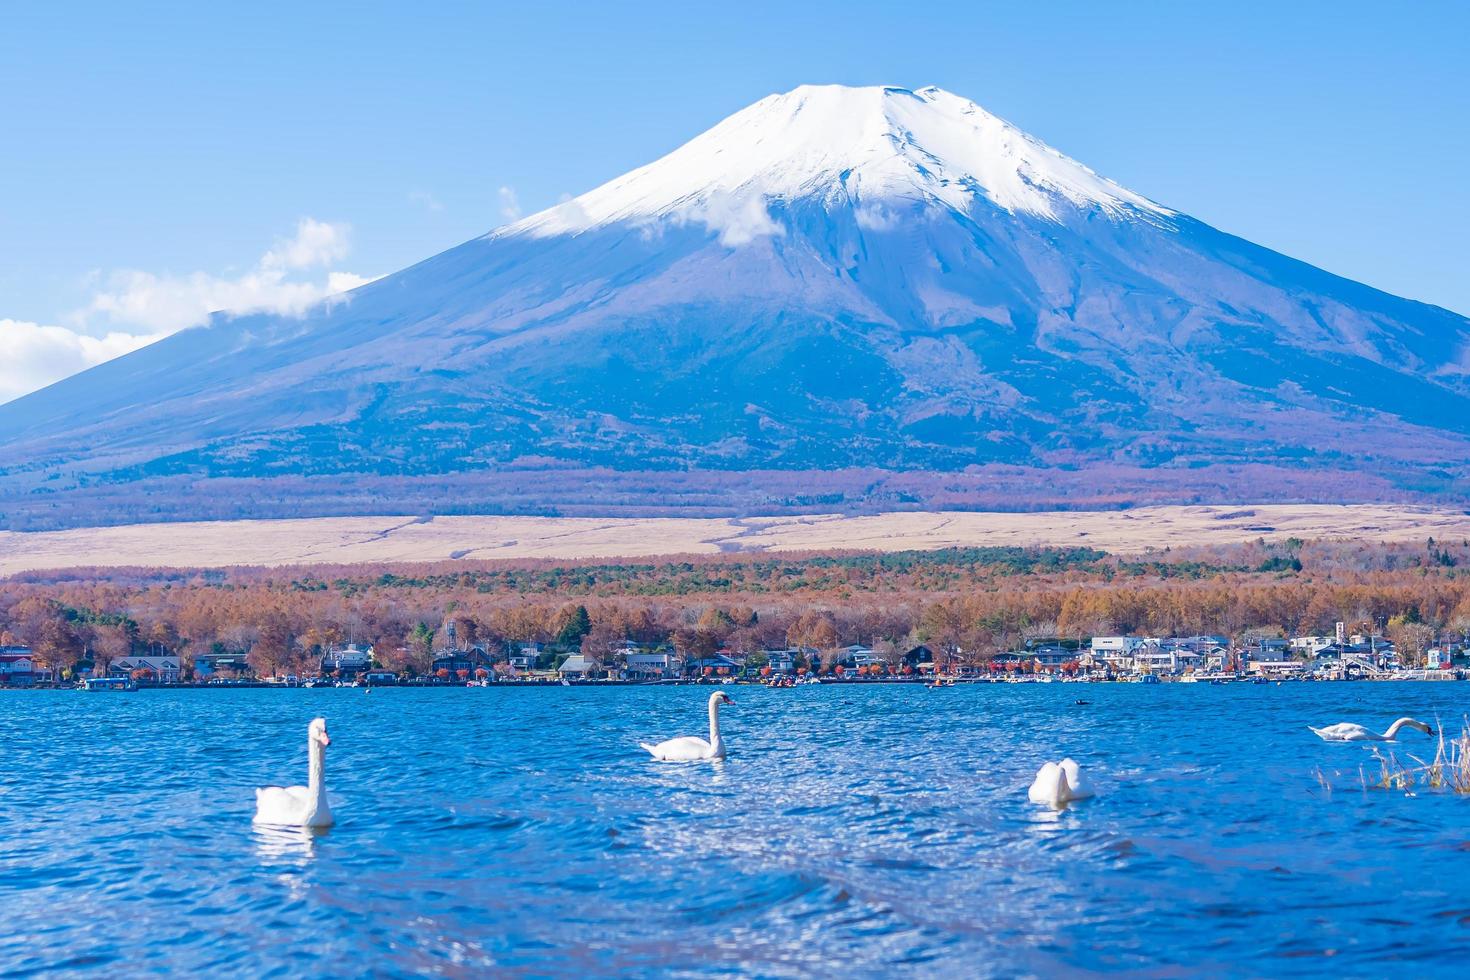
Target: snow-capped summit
(836,297)
(873,146)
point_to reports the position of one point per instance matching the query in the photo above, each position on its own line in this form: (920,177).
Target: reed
(1450,768)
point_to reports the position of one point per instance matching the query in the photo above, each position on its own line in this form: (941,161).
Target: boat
(108,684)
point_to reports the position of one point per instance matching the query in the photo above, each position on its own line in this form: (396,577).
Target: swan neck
(714,722)
(315,772)
(1394,728)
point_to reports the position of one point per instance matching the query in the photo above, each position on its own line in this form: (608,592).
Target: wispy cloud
(510,207)
(425,200)
(131,308)
(33,356)
(293,275)
(739,220)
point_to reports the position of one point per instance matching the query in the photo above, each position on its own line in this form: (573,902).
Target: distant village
(1339,656)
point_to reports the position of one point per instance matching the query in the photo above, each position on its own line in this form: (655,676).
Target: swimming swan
(691,748)
(300,806)
(1348,732)
(1059,783)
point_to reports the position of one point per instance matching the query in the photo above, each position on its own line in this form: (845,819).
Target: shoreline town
(1340,656)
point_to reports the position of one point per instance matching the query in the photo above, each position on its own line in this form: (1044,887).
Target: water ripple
(861,832)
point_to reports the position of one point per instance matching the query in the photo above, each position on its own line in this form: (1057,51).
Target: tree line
(964,604)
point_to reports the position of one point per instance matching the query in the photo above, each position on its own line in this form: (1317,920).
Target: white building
(575,666)
(1118,652)
(651,666)
(348,661)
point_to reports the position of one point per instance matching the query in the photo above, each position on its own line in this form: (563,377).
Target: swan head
(1414,723)
(316,732)
(720,697)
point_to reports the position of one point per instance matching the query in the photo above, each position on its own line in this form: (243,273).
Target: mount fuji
(837,298)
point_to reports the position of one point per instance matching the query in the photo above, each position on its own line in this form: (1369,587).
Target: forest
(966,604)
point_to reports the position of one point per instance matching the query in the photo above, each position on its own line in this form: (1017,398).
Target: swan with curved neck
(1059,783)
(1348,732)
(692,748)
(300,806)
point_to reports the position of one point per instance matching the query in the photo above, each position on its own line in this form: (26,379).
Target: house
(853,655)
(719,663)
(920,654)
(379,676)
(1117,652)
(1311,644)
(164,669)
(1202,644)
(347,662)
(1008,660)
(576,666)
(17,667)
(525,657)
(650,666)
(212,666)
(1363,656)
(1052,656)
(781,661)
(1156,659)
(1271,657)
(469,660)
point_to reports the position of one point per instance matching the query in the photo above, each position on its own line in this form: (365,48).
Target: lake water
(853,831)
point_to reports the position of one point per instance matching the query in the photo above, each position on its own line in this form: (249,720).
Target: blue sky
(158,158)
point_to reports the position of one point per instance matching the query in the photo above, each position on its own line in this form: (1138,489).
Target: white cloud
(276,284)
(132,308)
(33,356)
(315,243)
(875,217)
(425,200)
(739,220)
(510,207)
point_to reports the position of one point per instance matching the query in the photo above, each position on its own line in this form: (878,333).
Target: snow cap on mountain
(872,147)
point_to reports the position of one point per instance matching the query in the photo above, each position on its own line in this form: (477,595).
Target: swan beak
(324,739)
(729,700)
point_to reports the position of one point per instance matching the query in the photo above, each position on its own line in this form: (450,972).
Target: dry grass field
(350,540)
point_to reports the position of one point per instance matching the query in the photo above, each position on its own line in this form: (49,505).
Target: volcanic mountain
(835,298)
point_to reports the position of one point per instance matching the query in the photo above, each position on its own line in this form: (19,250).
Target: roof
(575,664)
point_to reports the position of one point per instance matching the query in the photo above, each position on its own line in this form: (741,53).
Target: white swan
(300,806)
(1059,783)
(1348,732)
(691,748)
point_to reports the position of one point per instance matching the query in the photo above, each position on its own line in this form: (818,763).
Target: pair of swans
(300,806)
(1348,732)
(692,748)
(1057,784)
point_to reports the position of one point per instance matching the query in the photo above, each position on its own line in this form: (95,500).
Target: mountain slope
(875,280)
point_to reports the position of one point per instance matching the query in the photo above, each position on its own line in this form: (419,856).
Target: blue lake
(853,830)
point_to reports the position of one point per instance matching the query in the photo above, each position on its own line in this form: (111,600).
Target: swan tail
(650,749)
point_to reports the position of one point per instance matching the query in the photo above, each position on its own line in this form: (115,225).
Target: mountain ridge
(831,280)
